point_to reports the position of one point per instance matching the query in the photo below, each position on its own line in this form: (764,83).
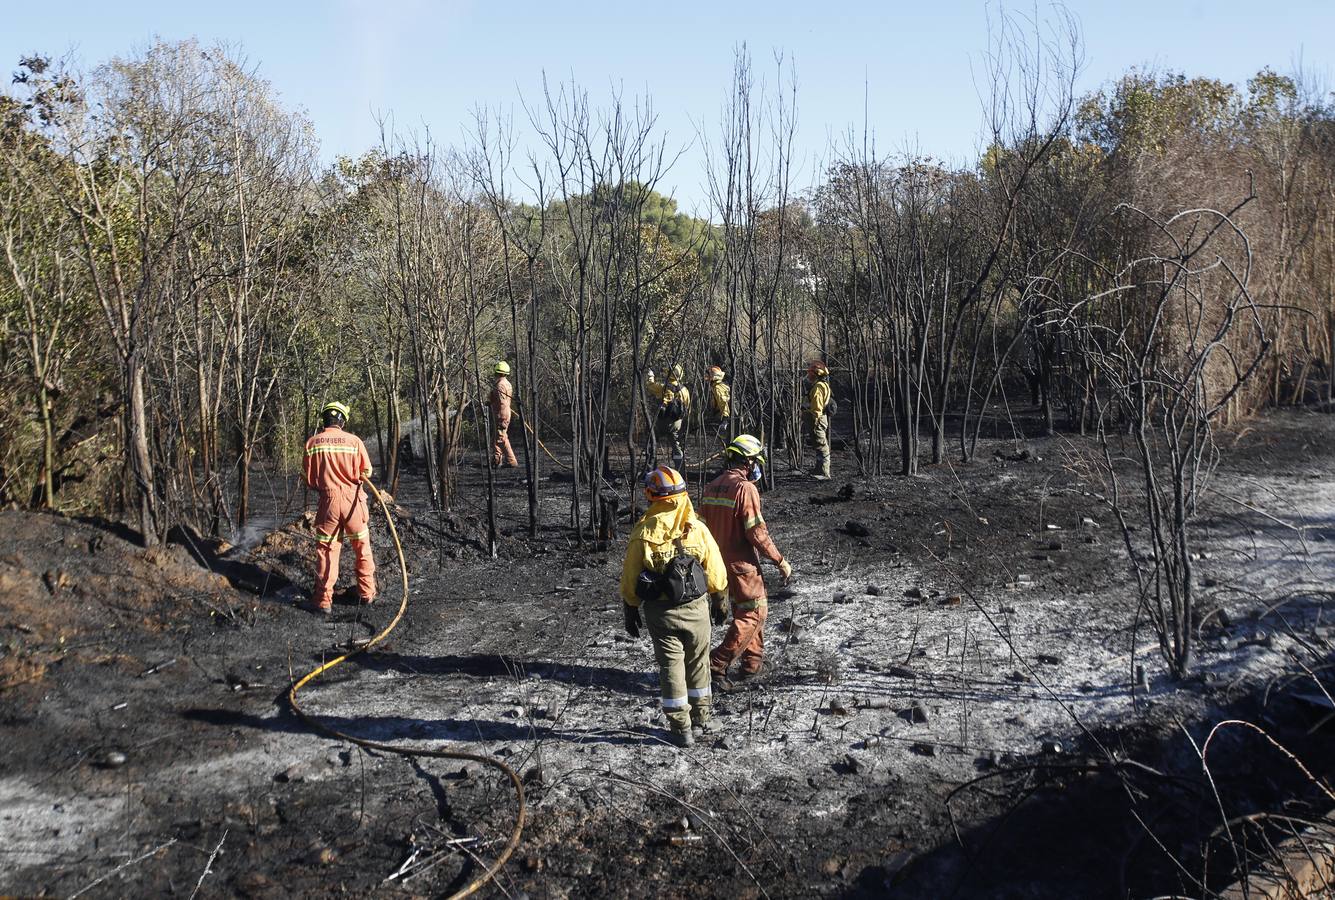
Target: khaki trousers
(820,436)
(681,647)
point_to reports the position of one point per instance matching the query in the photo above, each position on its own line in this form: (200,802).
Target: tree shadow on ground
(395,728)
(1082,826)
(637,683)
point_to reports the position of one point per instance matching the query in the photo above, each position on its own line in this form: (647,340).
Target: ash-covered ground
(952,704)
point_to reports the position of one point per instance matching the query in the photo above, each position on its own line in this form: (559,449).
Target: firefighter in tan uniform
(336,463)
(720,402)
(674,405)
(818,402)
(669,535)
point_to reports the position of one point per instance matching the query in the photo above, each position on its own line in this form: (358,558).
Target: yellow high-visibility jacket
(672,390)
(721,397)
(819,398)
(653,544)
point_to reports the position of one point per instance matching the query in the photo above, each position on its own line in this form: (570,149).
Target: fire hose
(319,726)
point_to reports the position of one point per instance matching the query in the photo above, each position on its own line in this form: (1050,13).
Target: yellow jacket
(653,544)
(666,393)
(721,395)
(819,398)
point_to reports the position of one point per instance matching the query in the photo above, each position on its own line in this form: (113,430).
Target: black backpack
(831,406)
(682,580)
(672,411)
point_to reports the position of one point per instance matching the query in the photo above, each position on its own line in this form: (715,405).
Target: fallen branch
(121,868)
(208,866)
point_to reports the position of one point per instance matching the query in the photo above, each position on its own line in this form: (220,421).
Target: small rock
(952,600)
(1054,545)
(871,742)
(1018,677)
(901,672)
(923,749)
(541,712)
(914,593)
(853,765)
(1086,687)
(832,866)
(114,759)
(1052,748)
(292,774)
(506,751)
(872,590)
(1048,659)
(915,713)
(837,707)
(841,597)
(857,529)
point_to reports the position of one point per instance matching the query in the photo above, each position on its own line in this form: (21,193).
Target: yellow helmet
(502,367)
(715,374)
(336,409)
(677,373)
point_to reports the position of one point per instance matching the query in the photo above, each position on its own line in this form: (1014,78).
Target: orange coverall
(501,450)
(336,463)
(731,509)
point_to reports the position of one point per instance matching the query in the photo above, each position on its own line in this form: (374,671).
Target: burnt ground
(949,707)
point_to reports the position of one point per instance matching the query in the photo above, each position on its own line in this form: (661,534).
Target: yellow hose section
(408,751)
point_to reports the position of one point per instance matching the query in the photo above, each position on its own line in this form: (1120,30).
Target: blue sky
(431,63)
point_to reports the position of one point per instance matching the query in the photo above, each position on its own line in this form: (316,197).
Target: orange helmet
(664,481)
(816,369)
(715,373)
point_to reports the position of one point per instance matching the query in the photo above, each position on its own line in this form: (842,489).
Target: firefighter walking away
(672,563)
(336,463)
(731,508)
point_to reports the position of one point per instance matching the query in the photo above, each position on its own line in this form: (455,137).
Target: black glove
(718,608)
(632,619)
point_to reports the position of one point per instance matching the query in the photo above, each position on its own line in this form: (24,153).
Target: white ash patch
(39,828)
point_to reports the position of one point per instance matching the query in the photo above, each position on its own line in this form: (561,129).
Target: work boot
(681,739)
(706,728)
(365,601)
(315,606)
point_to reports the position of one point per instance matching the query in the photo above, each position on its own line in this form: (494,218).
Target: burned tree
(1179,335)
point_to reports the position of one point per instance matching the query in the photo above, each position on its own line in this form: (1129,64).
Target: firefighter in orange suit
(731,508)
(336,463)
(501,395)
